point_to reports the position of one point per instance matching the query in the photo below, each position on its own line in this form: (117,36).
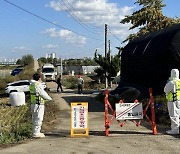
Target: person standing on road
(80,83)
(38,97)
(59,85)
(172,90)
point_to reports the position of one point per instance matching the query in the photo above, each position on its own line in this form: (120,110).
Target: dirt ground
(127,139)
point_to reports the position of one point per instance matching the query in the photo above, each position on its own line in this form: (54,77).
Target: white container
(17,98)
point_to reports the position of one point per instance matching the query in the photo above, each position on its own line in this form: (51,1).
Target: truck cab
(48,72)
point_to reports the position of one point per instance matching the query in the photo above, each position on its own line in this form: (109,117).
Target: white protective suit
(37,110)
(173,106)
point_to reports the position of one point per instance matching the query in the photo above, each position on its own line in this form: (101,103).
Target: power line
(115,36)
(49,21)
(95,47)
(99,46)
(75,17)
(82,16)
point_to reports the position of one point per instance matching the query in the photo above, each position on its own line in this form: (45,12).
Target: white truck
(48,72)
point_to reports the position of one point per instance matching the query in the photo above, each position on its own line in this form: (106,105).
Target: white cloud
(50,46)
(20,49)
(97,12)
(66,35)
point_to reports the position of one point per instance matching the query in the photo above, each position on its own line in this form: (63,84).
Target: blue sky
(22,33)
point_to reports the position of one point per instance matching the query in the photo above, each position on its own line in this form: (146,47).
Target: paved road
(126,140)
(36,65)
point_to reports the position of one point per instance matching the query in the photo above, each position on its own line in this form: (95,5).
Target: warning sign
(129,111)
(79,118)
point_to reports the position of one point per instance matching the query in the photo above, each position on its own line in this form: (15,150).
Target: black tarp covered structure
(146,62)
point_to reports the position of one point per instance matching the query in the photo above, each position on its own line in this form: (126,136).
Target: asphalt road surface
(126,140)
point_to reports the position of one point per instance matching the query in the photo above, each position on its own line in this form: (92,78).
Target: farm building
(146,62)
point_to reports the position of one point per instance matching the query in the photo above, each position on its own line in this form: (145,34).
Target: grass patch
(16,122)
(7,67)
(18,132)
(50,116)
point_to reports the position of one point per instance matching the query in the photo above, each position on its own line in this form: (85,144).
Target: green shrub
(2,85)
(93,85)
(10,78)
(69,82)
(26,75)
(161,111)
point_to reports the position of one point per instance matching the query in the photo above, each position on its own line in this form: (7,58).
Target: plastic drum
(17,98)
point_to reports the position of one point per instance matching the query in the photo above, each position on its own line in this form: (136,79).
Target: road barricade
(79,119)
(129,111)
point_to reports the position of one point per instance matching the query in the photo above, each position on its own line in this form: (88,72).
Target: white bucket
(17,98)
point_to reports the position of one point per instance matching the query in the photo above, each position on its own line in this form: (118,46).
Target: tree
(19,62)
(27,60)
(89,61)
(42,59)
(149,18)
(54,61)
(106,65)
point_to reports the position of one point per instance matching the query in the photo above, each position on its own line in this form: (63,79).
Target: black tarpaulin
(147,61)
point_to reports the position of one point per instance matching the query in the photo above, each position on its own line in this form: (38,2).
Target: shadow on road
(96,133)
(93,105)
(70,91)
(58,134)
(102,133)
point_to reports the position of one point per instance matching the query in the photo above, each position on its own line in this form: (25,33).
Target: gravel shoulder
(127,139)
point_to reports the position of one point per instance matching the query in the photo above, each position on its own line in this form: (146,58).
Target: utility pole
(106,80)
(61,67)
(110,82)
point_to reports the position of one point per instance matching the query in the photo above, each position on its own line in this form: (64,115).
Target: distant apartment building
(51,55)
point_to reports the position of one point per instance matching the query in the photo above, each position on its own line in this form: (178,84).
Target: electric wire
(49,21)
(109,31)
(75,17)
(115,36)
(70,4)
(95,47)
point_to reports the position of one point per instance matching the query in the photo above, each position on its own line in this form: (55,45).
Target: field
(15,122)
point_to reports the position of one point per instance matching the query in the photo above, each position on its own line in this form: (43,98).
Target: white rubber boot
(39,135)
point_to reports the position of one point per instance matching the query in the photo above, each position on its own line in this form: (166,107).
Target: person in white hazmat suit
(38,97)
(172,90)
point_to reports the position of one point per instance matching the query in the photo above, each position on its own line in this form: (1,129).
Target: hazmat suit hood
(174,74)
(32,81)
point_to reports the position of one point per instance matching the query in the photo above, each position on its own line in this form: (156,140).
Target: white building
(89,69)
(51,55)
